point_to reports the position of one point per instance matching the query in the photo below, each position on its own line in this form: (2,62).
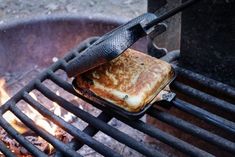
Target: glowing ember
(39,119)
(30,112)
(8,115)
(33,114)
(3,94)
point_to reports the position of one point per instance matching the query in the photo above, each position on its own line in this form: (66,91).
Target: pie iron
(168,96)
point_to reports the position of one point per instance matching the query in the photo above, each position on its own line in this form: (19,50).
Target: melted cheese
(130,100)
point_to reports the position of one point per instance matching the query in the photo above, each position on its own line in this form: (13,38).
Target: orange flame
(39,119)
(30,111)
(8,115)
(3,94)
(33,114)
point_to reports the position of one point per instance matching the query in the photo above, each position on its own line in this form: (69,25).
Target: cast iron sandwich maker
(113,44)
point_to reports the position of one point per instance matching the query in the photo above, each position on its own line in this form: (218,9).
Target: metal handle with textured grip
(109,46)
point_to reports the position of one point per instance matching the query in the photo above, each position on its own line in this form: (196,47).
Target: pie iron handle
(109,46)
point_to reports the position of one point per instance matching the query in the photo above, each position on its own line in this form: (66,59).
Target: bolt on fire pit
(100,123)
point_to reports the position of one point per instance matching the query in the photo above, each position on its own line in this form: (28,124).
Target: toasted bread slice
(130,81)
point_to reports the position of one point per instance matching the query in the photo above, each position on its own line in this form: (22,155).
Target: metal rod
(30,86)
(21,139)
(203,97)
(45,135)
(172,141)
(82,46)
(5,150)
(63,84)
(100,123)
(219,123)
(89,130)
(171,56)
(205,115)
(171,13)
(105,128)
(217,86)
(166,138)
(193,129)
(81,136)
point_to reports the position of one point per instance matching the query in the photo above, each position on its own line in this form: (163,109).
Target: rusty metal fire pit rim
(11,23)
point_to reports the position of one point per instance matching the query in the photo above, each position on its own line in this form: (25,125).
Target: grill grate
(99,123)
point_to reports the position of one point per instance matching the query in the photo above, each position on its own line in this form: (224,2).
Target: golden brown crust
(130,81)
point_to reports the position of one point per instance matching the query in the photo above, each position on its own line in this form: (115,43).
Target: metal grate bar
(48,137)
(21,139)
(166,138)
(99,123)
(81,47)
(207,82)
(63,84)
(107,129)
(99,147)
(5,150)
(90,130)
(203,97)
(193,129)
(29,87)
(205,115)
(69,88)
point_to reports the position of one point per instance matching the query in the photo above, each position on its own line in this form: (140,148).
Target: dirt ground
(11,9)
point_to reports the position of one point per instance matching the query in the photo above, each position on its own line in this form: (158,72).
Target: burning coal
(39,120)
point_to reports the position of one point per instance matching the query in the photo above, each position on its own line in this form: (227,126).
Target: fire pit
(27,48)
(52,119)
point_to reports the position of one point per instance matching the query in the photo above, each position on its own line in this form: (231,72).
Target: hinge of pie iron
(152,34)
